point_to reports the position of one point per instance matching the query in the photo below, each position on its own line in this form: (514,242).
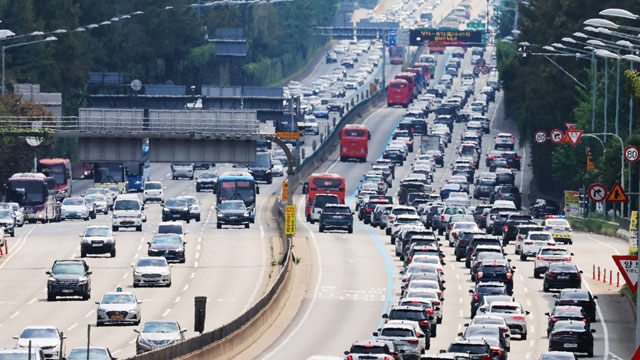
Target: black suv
(497,226)
(207,181)
(69,278)
(514,221)
(336,216)
(497,270)
(506,192)
(411,313)
(513,159)
(261,169)
(463,240)
(543,207)
(482,289)
(175,209)
(475,242)
(578,297)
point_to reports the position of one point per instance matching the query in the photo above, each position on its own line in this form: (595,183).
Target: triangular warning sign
(574,136)
(636,356)
(616,194)
(628,266)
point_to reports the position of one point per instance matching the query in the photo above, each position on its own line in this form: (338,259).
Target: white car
(153,271)
(513,314)
(277,170)
(108,194)
(394,213)
(127,212)
(74,208)
(47,338)
(99,202)
(530,245)
(153,191)
(158,334)
(17,213)
(406,335)
(546,255)
(118,307)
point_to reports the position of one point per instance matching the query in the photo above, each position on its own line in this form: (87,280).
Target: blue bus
(137,175)
(238,185)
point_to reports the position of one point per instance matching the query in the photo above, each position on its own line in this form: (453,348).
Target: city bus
(31,192)
(426,70)
(60,171)
(396,55)
(421,81)
(323,184)
(431,61)
(354,142)
(110,173)
(238,185)
(137,175)
(398,93)
(409,78)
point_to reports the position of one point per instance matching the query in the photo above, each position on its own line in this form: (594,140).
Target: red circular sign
(631,153)
(540,137)
(556,136)
(597,192)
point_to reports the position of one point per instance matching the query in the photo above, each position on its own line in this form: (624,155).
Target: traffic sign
(481,62)
(587,150)
(485,70)
(616,194)
(392,33)
(597,192)
(636,355)
(631,153)
(628,266)
(290,220)
(569,125)
(477,70)
(540,137)
(288,135)
(285,191)
(556,136)
(574,136)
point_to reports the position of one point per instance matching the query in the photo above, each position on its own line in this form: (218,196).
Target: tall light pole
(5,47)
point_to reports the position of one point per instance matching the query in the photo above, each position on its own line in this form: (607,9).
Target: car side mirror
(148,243)
(459,334)
(385,316)
(97,302)
(257,189)
(144,218)
(513,268)
(139,302)
(443,351)
(346,352)
(419,335)
(595,297)
(89,272)
(442,298)
(581,272)
(375,333)
(183,330)
(547,314)
(572,254)
(16,337)
(470,291)
(527,312)
(136,331)
(466,325)
(555,296)
(48,272)
(593,330)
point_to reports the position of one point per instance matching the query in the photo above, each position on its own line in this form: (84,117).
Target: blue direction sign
(393,37)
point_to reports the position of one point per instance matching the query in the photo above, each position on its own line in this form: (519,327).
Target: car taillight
(389,217)
(505,329)
(349,357)
(519,317)
(496,352)
(550,274)
(540,258)
(436,303)
(512,138)
(442,218)
(476,297)
(578,275)
(412,341)
(479,275)
(491,157)
(528,243)
(506,227)
(509,276)
(454,233)
(424,322)
(517,159)
(584,320)
(550,243)
(410,258)
(430,311)
(567,259)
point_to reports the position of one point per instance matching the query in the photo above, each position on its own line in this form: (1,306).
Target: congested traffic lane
(231,270)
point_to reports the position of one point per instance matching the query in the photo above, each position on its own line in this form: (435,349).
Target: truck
(182,171)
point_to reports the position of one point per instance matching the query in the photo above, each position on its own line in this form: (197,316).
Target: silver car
(513,314)
(406,335)
(47,338)
(74,208)
(194,206)
(7,222)
(118,307)
(158,334)
(99,202)
(547,255)
(152,271)
(17,213)
(97,239)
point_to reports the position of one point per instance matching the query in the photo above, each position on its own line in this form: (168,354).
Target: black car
(492,155)
(261,169)
(573,336)
(420,240)
(497,226)
(496,270)
(207,181)
(395,156)
(462,241)
(364,212)
(69,278)
(484,253)
(543,207)
(513,159)
(170,246)
(411,313)
(562,275)
(565,312)
(404,238)
(485,288)
(175,209)
(336,216)
(477,241)
(507,192)
(483,187)
(505,177)
(478,349)
(427,306)
(232,212)
(578,297)
(331,58)
(514,221)
(437,156)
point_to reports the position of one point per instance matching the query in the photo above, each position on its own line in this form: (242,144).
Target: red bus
(398,93)
(410,78)
(60,171)
(420,80)
(426,70)
(354,142)
(396,54)
(323,184)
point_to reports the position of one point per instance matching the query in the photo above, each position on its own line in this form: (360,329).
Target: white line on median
(72,327)
(602,322)
(14,314)
(166,312)
(32,301)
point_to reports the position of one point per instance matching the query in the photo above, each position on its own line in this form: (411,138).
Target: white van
(127,212)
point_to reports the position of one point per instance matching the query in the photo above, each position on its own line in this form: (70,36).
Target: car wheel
(83,253)
(523,257)
(387,231)
(523,336)
(321,229)
(536,274)
(114,228)
(457,258)
(198,218)
(86,296)
(434,330)
(188,221)
(135,285)
(545,288)
(50,296)
(590,353)
(393,240)
(246,226)
(218,226)
(350,230)
(113,253)
(467,264)
(139,228)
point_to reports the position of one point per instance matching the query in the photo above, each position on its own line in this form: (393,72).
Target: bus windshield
(56,171)
(108,172)
(353,133)
(237,190)
(134,169)
(26,192)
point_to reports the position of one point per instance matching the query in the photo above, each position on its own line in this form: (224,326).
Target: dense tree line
(539,96)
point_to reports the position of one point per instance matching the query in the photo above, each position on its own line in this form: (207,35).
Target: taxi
(559,228)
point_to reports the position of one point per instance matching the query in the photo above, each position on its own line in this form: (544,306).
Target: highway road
(355,278)
(230,266)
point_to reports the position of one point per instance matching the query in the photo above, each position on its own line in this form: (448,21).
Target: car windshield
(32,333)
(118,299)
(127,205)
(557,222)
(6,215)
(95,197)
(452,211)
(152,262)
(553,252)
(482,331)
(574,295)
(543,237)
(557,356)
(397,314)
(320,201)
(491,290)
(153,186)
(367,349)
(232,205)
(167,239)
(482,320)
(563,268)
(97,232)
(207,176)
(68,269)
(94,354)
(72,201)
(468,348)
(18,354)
(578,326)
(161,327)
(189,200)
(494,269)
(337,210)
(505,309)
(175,203)
(396,332)
(93,191)
(170,229)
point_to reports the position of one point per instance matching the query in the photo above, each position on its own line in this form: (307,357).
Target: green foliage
(593,224)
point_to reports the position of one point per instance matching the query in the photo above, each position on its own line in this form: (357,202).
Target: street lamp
(5,47)
(608,24)
(619,13)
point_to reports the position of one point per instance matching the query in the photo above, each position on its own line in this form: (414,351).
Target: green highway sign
(475,25)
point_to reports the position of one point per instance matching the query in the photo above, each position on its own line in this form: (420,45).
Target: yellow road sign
(285,191)
(288,135)
(290,220)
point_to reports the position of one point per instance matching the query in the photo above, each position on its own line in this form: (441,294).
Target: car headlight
(101,310)
(142,341)
(165,210)
(137,273)
(219,214)
(138,215)
(83,280)
(52,280)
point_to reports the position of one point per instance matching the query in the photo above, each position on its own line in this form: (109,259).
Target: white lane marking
(261,232)
(195,264)
(524,161)
(197,254)
(125,275)
(136,256)
(333,164)
(533,329)
(614,356)
(526,289)
(460,300)
(263,264)
(20,243)
(166,312)
(372,115)
(177,300)
(186,286)
(461,314)
(527,355)
(605,244)
(193,274)
(521,278)
(32,301)
(14,314)
(139,247)
(495,112)
(528,303)
(116,352)
(89,313)
(72,327)
(531,343)
(316,289)
(457,276)
(605,330)
(132,341)
(459,287)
